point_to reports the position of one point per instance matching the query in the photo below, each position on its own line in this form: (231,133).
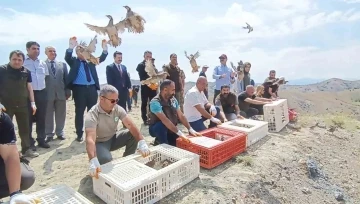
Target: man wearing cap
(202,73)
(174,75)
(223,75)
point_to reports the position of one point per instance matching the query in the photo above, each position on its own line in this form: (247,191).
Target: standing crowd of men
(36,91)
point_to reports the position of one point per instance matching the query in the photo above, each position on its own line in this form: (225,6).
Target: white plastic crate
(129,181)
(277,115)
(60,194)
(254,129)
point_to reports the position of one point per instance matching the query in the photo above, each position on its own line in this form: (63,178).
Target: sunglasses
(221,58)
(111,100)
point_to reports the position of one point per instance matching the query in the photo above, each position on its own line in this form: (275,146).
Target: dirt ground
(274,170)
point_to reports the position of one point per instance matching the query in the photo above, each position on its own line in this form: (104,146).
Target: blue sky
(299,39)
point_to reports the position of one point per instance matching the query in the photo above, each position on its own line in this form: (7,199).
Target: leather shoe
(62,137)
(43,145)
(79,139)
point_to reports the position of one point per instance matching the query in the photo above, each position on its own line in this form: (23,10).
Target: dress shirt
(227,80)
(38,71)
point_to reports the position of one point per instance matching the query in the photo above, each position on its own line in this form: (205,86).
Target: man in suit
(83,81)
(146,92)
(117,76)
(57,95)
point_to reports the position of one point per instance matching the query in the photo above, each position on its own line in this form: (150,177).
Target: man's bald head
(250,90)
(201,83)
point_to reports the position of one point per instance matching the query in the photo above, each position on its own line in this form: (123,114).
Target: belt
(39,90)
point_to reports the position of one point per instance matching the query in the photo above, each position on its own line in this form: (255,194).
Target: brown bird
(192,58)
(154,75)
(87,50)
(134,21)
(112,30)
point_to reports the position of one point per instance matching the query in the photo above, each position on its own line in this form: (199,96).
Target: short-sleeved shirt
(156,107)
(7,130)
(218,102)
(105,123)
(38,71)
(274,89)
(192,98)
(243,105)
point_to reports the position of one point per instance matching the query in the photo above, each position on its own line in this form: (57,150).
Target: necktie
(120,70)
(87,71)
(53,67)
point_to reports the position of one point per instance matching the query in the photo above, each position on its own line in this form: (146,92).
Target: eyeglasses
(111,100)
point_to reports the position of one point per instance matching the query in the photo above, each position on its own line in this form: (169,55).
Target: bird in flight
(249,28)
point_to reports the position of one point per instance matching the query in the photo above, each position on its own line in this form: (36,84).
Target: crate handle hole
(108,185)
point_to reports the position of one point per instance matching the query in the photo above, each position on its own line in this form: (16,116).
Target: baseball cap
(205,66)
(223,56)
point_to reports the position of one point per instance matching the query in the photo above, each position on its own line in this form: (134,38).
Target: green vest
(13,87)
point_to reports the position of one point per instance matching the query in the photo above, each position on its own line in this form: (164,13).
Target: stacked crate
(277,115)
(216,146)
(137,180)
(254,129)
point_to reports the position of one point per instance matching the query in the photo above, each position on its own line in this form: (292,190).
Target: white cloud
(18,27)
(351,1)
(213,35)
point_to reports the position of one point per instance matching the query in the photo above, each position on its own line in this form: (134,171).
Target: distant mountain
(304,81)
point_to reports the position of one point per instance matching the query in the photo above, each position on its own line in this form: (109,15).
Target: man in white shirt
(39,72)
(197,108)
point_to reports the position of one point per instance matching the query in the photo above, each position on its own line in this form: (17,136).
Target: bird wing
(92,45)
(97,29)
(232,65)
(196,55)
(247,24)
(149,68)
(120,27)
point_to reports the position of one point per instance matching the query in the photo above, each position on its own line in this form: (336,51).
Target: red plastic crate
(210,157)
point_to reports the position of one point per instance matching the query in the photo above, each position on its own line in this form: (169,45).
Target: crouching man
(164,115)
(102,137)
(15,173)
(197,108)
(228,104)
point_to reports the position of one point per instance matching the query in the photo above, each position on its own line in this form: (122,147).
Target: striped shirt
(38,71)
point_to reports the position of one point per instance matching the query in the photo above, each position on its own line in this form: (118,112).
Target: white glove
(213,110)
(104,45)
(181,134)
(94,167)
(72,43)
(143,148)
(2,107)
(215,120)
(21,198)
(192,131)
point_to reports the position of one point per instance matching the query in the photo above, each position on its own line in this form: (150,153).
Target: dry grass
(246,160)
(342,121)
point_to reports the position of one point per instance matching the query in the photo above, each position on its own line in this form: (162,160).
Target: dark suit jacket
(74,64)
(114,78)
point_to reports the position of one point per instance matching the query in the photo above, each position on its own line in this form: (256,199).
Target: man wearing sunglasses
(102,137)
(222,75)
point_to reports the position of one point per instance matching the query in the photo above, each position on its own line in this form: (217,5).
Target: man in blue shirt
(164,115)
(84,83)
(223,75)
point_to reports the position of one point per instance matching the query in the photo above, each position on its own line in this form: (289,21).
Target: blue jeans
(198,125)
(162,134)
